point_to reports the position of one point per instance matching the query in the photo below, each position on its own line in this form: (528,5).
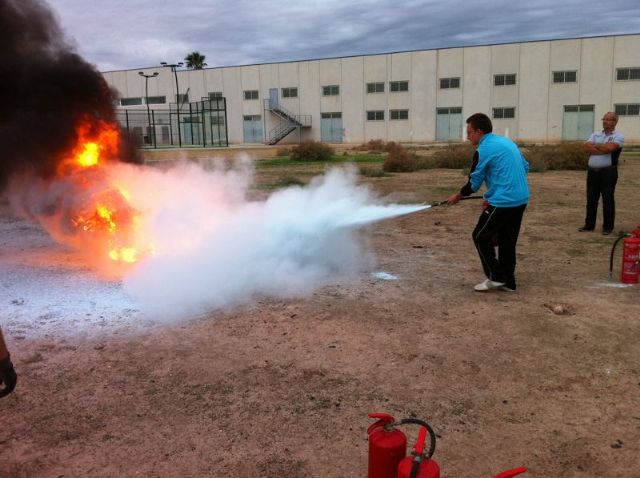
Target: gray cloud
(117,34)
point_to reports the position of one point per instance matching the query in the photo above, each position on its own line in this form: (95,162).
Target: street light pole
(173,67)
(146,100)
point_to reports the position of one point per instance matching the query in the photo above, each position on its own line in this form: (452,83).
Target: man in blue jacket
(499,164)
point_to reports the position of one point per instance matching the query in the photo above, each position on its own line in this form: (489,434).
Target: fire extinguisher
(387,446)
(420,465)
(630,257)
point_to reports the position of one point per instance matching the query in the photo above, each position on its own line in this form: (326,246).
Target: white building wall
(533,86)
(539,102)
(423,89)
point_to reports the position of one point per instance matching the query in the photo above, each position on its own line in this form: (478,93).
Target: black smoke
(45,89)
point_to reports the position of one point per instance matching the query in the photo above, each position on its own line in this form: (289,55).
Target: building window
(504,113)
(577,108)
(449,111)
(182,98)
(250,94)
(291,92)
(156,100)
(503,80)
(252,117)
(375,87)
(399,114)
(399,85)
(624,74)
(446,83)
(331,115)
(565,76)
(375,115)
(629,109)
(215,94)
(331,90)
(130,101)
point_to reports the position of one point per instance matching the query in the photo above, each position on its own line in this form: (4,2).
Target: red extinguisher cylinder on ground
(387,447)
(419,465)
(630,260)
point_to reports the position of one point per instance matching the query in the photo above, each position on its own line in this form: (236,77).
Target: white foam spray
(214,248)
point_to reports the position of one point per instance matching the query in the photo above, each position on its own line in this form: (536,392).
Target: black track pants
(603,183)
(502,223)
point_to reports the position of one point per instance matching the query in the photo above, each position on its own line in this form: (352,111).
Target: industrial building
(538,91)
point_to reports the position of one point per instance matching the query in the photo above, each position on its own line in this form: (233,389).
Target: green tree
(195,60)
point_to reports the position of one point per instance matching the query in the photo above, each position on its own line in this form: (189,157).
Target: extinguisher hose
(415,468)
(613,249)
(432,435)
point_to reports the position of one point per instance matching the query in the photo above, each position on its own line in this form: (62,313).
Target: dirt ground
(547,377)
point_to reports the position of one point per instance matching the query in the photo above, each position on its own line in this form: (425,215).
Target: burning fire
(104,220)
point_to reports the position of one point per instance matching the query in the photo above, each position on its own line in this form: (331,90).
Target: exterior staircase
(288,121)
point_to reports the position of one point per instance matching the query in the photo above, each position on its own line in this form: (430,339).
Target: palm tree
(195,60)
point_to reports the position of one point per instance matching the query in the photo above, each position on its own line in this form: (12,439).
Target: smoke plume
(46,89)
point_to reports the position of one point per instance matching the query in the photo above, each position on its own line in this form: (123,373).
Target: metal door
(449,124)
(577,122)
(252,129)
(331,130)
(273,97)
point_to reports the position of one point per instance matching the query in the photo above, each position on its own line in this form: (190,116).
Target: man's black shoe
(606,232)
(585,229)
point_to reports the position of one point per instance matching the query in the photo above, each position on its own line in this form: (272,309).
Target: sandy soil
(547,377)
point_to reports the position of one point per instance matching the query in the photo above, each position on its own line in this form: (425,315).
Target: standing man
(604,148)
(504,170)
(8,377)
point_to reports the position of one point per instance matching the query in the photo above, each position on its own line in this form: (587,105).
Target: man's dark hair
(480,121)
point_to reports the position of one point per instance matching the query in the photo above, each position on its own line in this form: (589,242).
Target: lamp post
(173,67)
(146,100)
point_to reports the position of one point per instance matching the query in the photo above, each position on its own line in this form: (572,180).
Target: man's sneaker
(506,288)
(585,229)
(606,232)
(487,284)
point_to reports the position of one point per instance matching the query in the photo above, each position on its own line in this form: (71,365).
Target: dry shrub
(372,172)
(283,151)
(399,160)
(454,156)
(312,151)
(567,155)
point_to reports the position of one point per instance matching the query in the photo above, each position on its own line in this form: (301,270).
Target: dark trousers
(503,224)
(601,182)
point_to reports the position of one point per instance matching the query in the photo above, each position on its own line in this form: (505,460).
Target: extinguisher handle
(432,435)
(384,420)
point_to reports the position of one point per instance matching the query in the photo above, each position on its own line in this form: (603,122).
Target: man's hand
(454,198)
(8,377)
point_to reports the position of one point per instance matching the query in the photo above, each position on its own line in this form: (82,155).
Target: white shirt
(600,137)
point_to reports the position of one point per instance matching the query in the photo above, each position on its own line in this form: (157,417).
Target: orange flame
(106,222)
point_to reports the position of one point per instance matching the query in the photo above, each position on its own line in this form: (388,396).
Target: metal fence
(198,124)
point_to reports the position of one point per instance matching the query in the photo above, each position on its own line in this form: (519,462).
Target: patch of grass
(284,181)
(576,252)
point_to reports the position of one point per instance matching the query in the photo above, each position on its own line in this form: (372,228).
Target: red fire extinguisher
(387,446)
(388,449)
(630,260)
(420,465)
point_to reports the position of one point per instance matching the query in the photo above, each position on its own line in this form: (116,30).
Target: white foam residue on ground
(384,276)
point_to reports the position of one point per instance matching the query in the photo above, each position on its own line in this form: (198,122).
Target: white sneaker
(487,284)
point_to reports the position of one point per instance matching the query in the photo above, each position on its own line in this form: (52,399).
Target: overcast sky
(120,34)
